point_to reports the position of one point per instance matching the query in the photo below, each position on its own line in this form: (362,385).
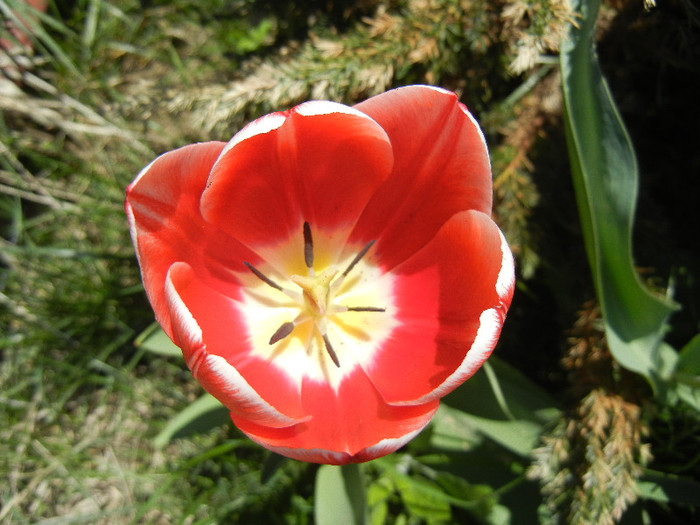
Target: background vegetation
(553,431)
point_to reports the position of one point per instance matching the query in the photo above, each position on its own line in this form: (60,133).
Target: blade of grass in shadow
(605,175)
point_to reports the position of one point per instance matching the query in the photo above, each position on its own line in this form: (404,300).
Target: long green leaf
(340,496)
(153,339)
(200,416)
(605,175)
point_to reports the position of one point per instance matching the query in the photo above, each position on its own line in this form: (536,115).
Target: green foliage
(605,175)
(99,426)
(340,496)
(156,341)
(200,416)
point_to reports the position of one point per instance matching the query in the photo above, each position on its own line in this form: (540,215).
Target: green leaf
(200,416)
(520,436)
(689,359)
(340,495)
(605,175)
(667,488)
(423,499)
(378,495)
(503,393)
(153,339)
(449,431)
(478,498)
(497,402)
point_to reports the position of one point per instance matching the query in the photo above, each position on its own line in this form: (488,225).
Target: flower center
(317,290)
(316,304)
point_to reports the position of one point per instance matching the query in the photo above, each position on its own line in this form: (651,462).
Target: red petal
(320,162)
(348,426)
(452,297)
(210,329)
(441,167)
(162,205)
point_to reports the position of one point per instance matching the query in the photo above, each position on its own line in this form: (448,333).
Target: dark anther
(308,246)
(330,350)
(282,332)
(358,257)
(263,277)
(365,309)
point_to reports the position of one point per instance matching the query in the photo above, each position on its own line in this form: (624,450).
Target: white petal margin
(326,107)
(313,455)
(389,445)
(490,324)
(506,277)
(131,219)
(331,457)
(259,126)
(232,389)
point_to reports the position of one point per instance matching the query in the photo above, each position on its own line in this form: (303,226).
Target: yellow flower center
(309,318)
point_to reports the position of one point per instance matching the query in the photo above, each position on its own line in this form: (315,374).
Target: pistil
(318,292)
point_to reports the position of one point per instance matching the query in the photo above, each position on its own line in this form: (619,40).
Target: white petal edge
(240,394)
(313,455)
(490,324)
(131,219)
(506,277)
(326,107)
(330,457)
(476,126)
(464,110)
(259,126)
(132,229)
(274,121)
(236,392)
(389,445)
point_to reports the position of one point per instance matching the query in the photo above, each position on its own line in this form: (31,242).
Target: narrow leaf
(340,495)
(153,339)
(605,175)
(520,436)
(200,416)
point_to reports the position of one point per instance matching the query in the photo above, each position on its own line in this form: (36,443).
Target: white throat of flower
(320,325)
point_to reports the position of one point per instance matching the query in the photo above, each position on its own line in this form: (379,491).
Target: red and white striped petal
(209,328)
(441,167)
(451,298)
(162,206)
(319,162)
(350,425)
(341,356)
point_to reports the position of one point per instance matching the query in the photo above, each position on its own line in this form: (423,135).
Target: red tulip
(332,271)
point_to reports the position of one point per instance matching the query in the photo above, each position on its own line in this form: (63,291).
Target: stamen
(263,277)
(282,332)
(329,349)
(357,258)
(308,246)
(365,309)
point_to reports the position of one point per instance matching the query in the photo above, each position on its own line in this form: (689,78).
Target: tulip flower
(331,272)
